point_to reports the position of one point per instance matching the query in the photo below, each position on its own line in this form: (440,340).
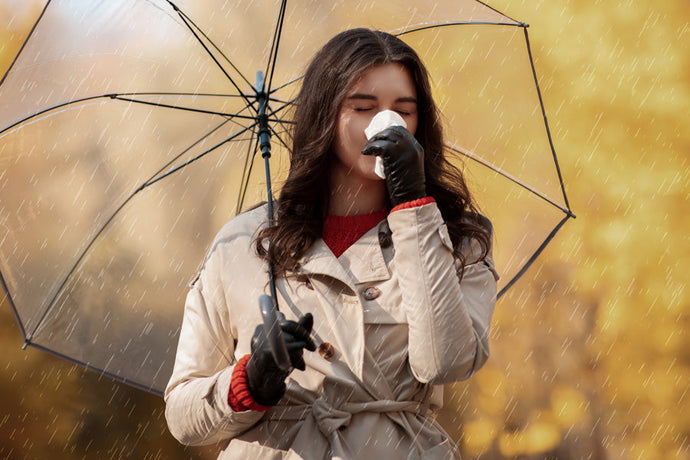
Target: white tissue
(381,121)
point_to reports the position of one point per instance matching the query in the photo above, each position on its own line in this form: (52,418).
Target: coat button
(326,350)
(372,293)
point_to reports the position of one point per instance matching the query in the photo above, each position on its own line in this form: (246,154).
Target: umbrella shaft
(264,135)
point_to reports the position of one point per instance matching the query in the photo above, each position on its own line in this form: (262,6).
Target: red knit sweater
(339,233)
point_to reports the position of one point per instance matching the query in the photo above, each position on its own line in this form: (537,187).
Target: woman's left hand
(403,163)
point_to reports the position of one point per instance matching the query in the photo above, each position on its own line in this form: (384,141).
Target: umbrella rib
(91,367)
(188,109)
(546,123)
(280,121)
(496,169)
(217,49)
(534,256)
(192,160)
(26,40)
(189,23)
(273,56)
(112,217)
(280,139)
(459,23)
(499,12)
(287,84)
(108,96)
(192,145)
(281,101)
(49,109)
(282,107)
(153,93)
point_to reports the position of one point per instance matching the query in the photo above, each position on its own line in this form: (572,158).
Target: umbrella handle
(272,318)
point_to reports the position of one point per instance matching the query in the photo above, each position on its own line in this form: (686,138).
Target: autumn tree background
(590,352)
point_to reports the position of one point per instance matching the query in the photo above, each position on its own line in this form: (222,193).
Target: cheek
(412,124)
(351,130)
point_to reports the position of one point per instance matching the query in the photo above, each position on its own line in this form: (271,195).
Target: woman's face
(383,87)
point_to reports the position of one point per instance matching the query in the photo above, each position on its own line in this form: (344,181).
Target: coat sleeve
(197,409)
(448,318)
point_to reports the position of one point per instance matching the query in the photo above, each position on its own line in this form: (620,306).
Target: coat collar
(363,262)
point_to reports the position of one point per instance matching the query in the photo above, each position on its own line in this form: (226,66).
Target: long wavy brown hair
(303,199)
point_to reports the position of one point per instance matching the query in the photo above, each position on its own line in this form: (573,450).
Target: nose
(382,120)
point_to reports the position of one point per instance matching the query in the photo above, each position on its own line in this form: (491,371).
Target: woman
(395,276)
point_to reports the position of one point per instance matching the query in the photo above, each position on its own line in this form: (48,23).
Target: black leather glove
(266,381)
(403,163)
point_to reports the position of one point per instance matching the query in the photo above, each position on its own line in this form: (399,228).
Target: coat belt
(329,418)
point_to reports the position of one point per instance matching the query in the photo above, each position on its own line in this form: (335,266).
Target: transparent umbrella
(128,137)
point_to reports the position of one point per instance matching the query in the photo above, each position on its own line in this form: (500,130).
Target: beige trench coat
(398,318)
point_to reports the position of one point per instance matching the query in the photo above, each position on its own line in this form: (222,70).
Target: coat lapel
(320,260)
(363,262)
(338,311)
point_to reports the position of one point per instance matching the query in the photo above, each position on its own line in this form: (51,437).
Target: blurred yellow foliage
(590,352)
(568,405)
(537,437)
(479,434)
(493,396)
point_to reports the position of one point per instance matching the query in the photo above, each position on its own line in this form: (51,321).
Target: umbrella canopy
(128,134)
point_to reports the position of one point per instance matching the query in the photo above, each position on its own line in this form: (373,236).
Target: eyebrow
(371,97)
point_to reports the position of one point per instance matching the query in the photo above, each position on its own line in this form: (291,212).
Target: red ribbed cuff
(239,397)
(414,203)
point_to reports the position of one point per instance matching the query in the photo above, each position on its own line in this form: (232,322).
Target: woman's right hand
(266,381)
